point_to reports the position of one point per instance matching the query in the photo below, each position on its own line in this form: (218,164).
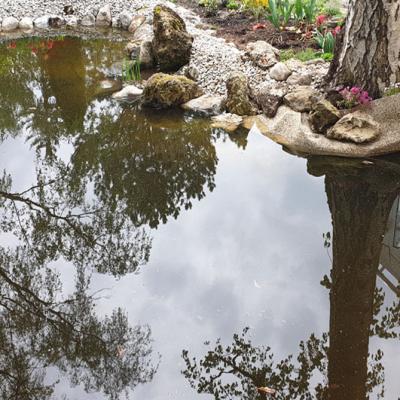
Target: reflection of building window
(396,236)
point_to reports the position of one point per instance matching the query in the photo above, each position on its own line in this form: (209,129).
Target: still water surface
(130,238)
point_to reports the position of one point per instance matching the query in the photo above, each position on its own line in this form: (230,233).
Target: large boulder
(163,91)
(301,99)
(262,54)
(323,115)
(238,99)
(355,127)
(172,44)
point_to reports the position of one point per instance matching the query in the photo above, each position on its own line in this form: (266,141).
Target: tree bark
(369,53)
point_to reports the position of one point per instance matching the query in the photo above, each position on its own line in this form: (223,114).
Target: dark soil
(237,27)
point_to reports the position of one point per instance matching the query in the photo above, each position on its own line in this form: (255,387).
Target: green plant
(326,41)
(273,15)
(332,12)
(298,10)
(391,91)
(310,10)
(327,56)
(285,9)
(131,70)
(232,5)
(304,55)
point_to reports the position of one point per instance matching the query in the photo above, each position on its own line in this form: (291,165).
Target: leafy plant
(310,10)
(285,9)
(131,70)
(326,41)
(273,15)
(298,10)
(232,5)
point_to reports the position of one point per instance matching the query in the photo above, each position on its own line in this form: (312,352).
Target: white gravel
(213,57)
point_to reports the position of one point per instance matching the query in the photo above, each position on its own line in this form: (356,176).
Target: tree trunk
(369,53)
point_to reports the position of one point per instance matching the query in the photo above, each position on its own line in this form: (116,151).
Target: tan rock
(301,99)
(205,105)
(355,127)
(228,122)
(136,22)
(259,121)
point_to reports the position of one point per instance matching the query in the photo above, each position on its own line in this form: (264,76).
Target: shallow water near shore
(130,237)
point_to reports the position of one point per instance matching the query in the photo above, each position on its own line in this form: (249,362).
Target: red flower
(336,31)
(12,45)
(320,20)
(50,44)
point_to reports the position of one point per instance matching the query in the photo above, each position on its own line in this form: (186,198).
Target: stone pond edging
(251,86)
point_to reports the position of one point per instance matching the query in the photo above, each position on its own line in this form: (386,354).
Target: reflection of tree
(146,165)
(360,197)
(54,221)
(38,330)
(237,370)
(150,167)
(37,70)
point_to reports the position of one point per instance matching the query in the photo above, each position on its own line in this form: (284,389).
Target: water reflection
(337,365)
(90,208)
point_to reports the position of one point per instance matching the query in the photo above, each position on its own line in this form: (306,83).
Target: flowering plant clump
(354,96)
(320,20)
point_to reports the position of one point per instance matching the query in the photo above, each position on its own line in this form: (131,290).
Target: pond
(133,240)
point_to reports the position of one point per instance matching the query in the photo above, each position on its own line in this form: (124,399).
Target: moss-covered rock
(172,44)
(163,91)
(238,99)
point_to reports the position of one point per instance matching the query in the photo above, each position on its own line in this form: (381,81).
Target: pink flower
(336,30)
(320,20)
(355,96)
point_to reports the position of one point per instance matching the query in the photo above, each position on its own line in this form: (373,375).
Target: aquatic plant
(131,70)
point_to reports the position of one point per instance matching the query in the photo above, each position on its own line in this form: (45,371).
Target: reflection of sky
(249,254)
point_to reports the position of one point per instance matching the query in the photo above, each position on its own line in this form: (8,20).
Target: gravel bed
(213,57)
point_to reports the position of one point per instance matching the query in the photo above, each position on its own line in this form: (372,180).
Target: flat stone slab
(291,130)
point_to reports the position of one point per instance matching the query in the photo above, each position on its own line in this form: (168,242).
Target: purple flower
(354,96)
